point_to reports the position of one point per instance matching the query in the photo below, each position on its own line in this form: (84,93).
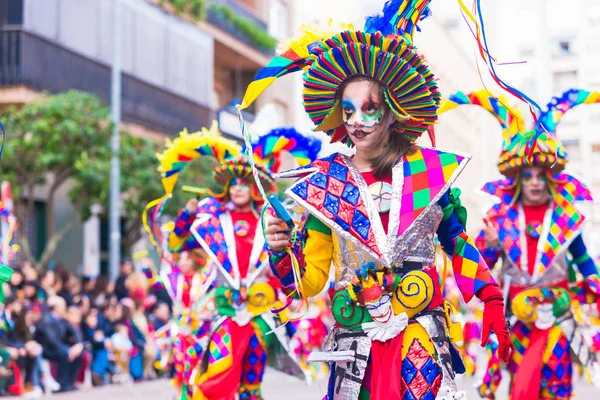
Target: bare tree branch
(25,246)
(53,241)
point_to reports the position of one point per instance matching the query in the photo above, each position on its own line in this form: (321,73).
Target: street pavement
(276,386)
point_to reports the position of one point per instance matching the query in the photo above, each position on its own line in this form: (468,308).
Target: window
(11,12)
(564,80)
(278,20)
(563,47)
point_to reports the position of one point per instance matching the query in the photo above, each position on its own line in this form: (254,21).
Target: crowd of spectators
(59,332)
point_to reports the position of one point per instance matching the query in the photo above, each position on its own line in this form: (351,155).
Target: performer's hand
(278,235)
(192,205)
(493,321)
(491,237)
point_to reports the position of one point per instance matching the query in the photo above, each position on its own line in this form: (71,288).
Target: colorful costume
(391,339)
(534,243)
(11,220)
(233,240)
(185,338)
(310,331)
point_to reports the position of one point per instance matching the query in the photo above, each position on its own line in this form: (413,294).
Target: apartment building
(182,67)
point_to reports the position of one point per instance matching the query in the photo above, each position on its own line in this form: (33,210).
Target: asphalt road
(276,386)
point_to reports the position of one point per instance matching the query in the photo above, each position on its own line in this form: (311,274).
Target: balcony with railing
(230,16)
(40,64)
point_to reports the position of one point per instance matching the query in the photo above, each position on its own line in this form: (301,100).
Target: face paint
(528,176)
(240,184)
(381,309)
(534,186)
(363,113)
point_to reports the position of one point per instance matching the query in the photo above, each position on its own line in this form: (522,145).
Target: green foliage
(257,35)
(66,138)
(57,139)
(195,8)
(141,182)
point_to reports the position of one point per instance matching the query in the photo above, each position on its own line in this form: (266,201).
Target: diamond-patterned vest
(333,191)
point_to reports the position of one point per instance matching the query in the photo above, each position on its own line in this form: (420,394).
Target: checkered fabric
(333,191)
(571,188)
(565,224)
(426,173)
(493,373)
(421,376)
(184,220)
(489,254)
(152,277)
(558,371)
(220,344)
(519,337)
(183,223)
(254,362)
(470,269)
(212,234)
(503,190)
(566,219)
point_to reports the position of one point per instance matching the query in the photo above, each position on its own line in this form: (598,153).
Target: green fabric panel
(315,224)
(264,328)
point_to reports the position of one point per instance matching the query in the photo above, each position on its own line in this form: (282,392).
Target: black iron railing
(27,59)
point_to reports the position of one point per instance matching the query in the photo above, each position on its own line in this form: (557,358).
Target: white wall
(156,47)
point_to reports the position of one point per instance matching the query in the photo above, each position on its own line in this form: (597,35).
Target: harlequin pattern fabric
(557,368)
(254,362)
(426,172)
(334,192)
(470,269)
(557,371)
(565,224)
(421,376)
(236,363)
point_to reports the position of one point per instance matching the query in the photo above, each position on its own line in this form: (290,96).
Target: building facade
(181,68)
(559,43)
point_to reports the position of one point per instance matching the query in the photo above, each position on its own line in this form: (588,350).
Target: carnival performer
(226,226)
(374,216)
(184,338)
(310,328)
(7,249)
(532,228)
(467,316)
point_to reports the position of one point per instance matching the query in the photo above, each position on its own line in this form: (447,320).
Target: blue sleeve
(585,263)
(449,228)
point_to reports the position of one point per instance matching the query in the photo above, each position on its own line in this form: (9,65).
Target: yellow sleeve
(318,252)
